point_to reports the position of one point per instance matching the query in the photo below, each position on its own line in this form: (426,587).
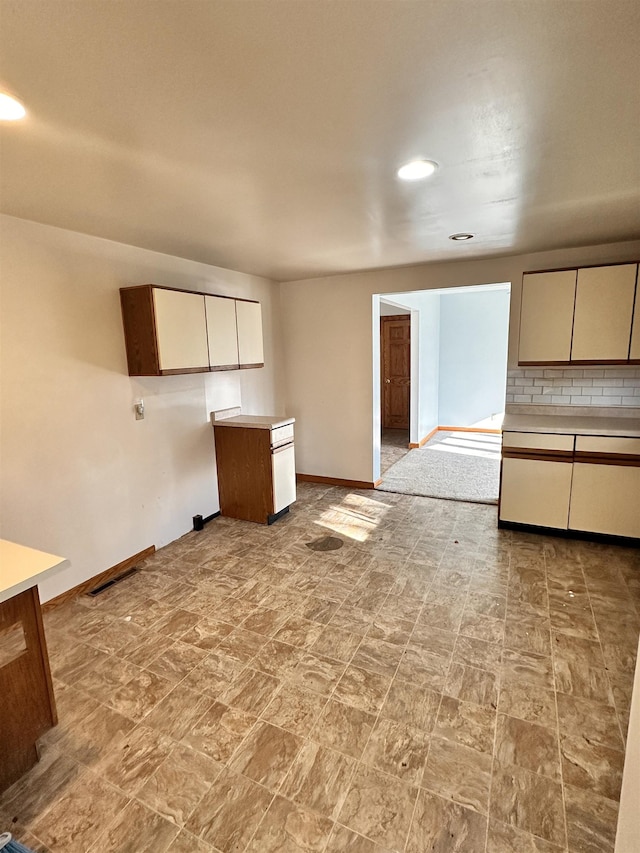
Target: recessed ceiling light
(10,109)
(417,169)
(462,235)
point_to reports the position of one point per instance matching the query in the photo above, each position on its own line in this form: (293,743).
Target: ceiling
(265,136)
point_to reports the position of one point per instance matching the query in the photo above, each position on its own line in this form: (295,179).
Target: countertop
(22,567)
(254,421)
(573,424)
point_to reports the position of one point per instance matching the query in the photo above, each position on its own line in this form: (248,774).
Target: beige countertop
(22,567)
(572,424)
(254,421)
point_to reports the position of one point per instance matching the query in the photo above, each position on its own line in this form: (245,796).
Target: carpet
(456,466)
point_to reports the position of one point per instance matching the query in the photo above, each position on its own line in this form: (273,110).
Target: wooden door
(395,345)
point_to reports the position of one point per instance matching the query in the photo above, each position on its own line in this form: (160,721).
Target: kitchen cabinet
(583,483)
(222,334)
(603,313)
(546,317)
(255,459)
(536,479)
(587,315)
(605,495)
(27,701)
(181,331)
(634,352)
(170,331)
(250,346)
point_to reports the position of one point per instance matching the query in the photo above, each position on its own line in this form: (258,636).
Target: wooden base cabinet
(256,471)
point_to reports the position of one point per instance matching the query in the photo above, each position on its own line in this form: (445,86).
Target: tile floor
(394,444)
(433,685)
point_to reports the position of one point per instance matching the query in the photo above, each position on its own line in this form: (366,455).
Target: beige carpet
(457,466)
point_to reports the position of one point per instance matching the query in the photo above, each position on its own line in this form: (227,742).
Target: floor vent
(111,582)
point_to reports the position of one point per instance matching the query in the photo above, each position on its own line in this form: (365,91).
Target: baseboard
(423,441)
(335,481)
(99,579)
(469,429)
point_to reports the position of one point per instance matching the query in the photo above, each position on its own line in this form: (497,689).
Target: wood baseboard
(335,481)
(423,441)
(469,429)
(99,579)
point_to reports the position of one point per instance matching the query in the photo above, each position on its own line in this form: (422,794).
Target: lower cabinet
(585,483)
(536,492)
(606,499)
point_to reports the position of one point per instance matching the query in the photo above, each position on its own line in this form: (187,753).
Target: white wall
(474,328)
(327,330)
(80,476)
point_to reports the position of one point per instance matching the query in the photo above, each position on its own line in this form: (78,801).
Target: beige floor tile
(379,807)
(529,702)
(592,767)
(528,634)
(136,830)
(362,689)
(288,828)
(597,723)
(185,842)
(251,691)
(344,840)
(344,728)
(319,779)
(337,644)
(178,785)
(266,755)
(299,631)
(527,745)
(135,759)
(175,714)
(219,731)
(466,723)
(482,628)
(445,827)
(177,661)
(317,673)
(458,773)
(504,838)
(529,802)
(472,685)
(140,695)
(295,709)
(229,813)
(518,667)
(398,749)
(377,656)
(591,821)
(80,814)
(207,633)
(241,645)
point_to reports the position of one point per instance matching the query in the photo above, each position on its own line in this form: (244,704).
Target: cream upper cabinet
(634,352)
(221,332)
(249,319)
(546,317)
(603,313)
(181,330)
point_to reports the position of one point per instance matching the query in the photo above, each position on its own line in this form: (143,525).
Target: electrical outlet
(138,408)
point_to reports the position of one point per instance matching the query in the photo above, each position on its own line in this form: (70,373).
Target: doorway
(455,346)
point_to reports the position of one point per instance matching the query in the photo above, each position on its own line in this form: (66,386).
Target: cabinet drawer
(537,441)
(281,435)
(608,444)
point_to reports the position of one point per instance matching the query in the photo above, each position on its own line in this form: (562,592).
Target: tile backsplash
(574,386)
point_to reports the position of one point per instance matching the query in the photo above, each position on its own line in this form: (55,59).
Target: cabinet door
(535,492)
(605,499)
(546,317)
(284,477)
(634,352)
(181,331)
(221,332)
(604,308)
(249,317)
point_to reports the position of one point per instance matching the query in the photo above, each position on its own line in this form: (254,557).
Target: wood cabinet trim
(582,267)
(538,455)
(249,366)
(178,371)
(591,458)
